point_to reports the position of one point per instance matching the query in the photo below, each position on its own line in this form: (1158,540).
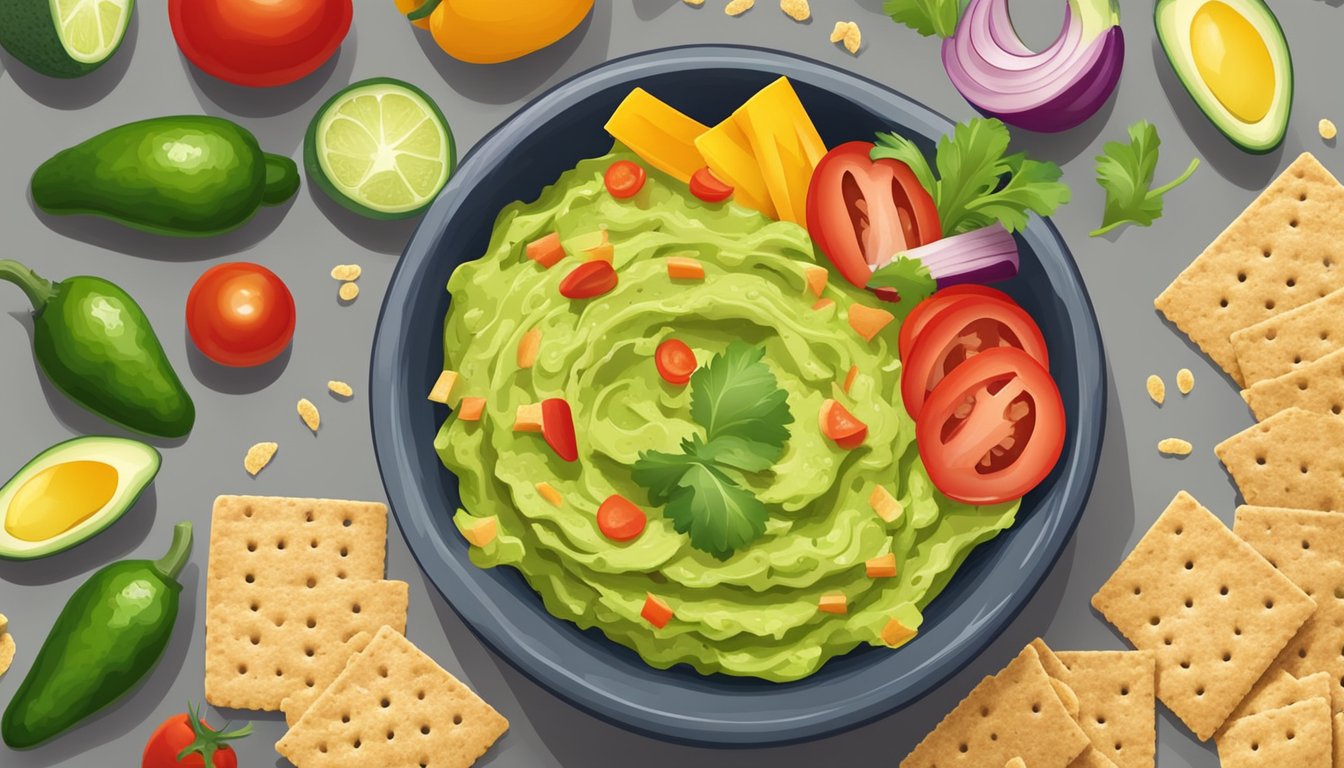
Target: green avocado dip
(755,612)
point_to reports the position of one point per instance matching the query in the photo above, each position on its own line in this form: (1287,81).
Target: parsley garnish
(745,414)
(927,17)
(909,277)
(977,184)
(1125,171)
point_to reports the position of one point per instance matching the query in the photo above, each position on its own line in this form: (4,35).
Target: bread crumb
(308,412)
(340,389)
(1327,129)
(738,7)
(1175,446)
(348,291)
(346,272)
(696,3)
(1157,389)
(798,10)
(258,456)
(1185,381)
(7,648)
(847,32)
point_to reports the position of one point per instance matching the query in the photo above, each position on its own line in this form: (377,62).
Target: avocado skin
(28,32)
(186,176)
(96,345)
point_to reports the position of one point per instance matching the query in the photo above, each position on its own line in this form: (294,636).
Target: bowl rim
(540,662)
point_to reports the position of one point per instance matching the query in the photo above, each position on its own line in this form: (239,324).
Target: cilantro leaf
(1125,172)
(910,277)
(927,17)
(718,515)
(737,395)
(737,452)
(658,472)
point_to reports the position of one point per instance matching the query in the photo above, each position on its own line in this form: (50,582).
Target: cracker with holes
(1281,344)
(1317,386)
(393,706)
(283,641)
(1213,611)
(1291,459)
(1296,735)
(1283,251)
(300,699)
(1015,713)
(1306,547)
(1278,689)
(1114,691)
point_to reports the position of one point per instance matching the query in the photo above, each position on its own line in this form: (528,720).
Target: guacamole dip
(755,613)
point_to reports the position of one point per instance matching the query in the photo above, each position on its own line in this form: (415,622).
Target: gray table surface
(302,241)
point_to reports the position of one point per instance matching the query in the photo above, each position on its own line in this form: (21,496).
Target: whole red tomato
(185,741)
(240,314)
(259,43)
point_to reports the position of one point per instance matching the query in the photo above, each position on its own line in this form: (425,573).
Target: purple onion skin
(997,273)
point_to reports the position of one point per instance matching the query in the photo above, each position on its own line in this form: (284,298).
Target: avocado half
(135,464)
(1175,20)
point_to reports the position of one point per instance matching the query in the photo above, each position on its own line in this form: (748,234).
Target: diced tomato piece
(482,532)
(708,187)
(548,492)
(838,424)
(676,362)
(624,179)
(619,519)
(528,348)
(868,321)
(896,634)
(850,377)
(656,612)
(547,250)
(817,277)
(683,268)
(881,567)
(557,428)
(833,602)
(887,294)
(589,280)
(471,408)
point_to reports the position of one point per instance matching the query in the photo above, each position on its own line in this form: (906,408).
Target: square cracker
(1291,459)
(298,702)
(1214,612)
(1305,546)
(1338,723)
(1115,704)
(281,641)
(1296,735)
(1273,347)
(1317,386)
(393,706)
(1015,713)
(1283,251)
(1278,689)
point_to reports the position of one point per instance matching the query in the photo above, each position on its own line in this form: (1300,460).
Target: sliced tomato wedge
(619,519)
(708,187)
(838,424)
(589,280)
(993,429)
(624,179)
(675,361)
(861,213)
(960,332)
(924,311)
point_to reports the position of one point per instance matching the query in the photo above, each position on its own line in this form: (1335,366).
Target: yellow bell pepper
(492,31)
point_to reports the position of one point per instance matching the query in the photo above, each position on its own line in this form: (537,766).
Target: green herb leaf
(658,472)
(719,516)
(910,277)
(977,183)
(737,395)
(737,452)
(927,17)
(1125,172)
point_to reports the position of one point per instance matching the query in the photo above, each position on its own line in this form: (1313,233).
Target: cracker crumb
(1185,381)
(6,645)
(847,32)
(1175,446)
(348,291)
(340,389)
(1157,389)
(1327,129)
(346,272)
(308,412)
(696,3)
(798,10)
(258,456)
(738,7)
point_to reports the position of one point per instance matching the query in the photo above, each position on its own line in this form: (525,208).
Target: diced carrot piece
(442,391)
(823,304)
(603,251)
(850,377)
(886,506)
(656,612)
(868,321)
(528,347)
(816,277)
(547,250)
(832,602)
(482,532)
(896,634)
(528,418)
(881,567)
(684,268)
(471,408)
(548,492)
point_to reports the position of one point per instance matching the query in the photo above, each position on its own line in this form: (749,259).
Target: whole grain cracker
(798,10)
(346,272)
(308,412)
(340,388)
(1305,546)
(1185,381)
(264,645)
(1015,713)
(1213,611)
(738,7)
(258,456)
(1114,690)
(7,647)
(1280,253)
(1157,389)
(1290,339)
(1317,386)
(298,702)
(393,705)
(1338,722)
(348,291)
(1278,689)
(1174,446)
(1296,735)
(1290,459)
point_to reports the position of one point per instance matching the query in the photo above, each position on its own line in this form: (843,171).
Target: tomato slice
(589,280)
(861,212)
(619,519)
(624,179)
(841,426)
(557,428)
(924,311)
(993,429)
(708,187)
(676,362)
(959,332)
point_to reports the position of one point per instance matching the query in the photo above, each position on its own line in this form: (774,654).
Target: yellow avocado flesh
(58,498)
(1233,60)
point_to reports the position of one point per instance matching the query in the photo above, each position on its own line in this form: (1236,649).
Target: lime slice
(64,38)
(381,148)
(90,30)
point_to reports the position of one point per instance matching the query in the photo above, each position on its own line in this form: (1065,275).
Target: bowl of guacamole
(753,601)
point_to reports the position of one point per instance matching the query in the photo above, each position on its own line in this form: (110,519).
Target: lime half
(64,38)
(381,148)
(90,30)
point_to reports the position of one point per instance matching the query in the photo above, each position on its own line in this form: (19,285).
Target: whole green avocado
(188,176)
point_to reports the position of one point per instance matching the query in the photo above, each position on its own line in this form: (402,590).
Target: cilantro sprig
(1125,172)
(738,402)
(927,17)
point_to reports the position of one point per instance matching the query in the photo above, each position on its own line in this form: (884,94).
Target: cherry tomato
(838,424)
(708,187)
(187,731)
(240,314)
(588,280)
(861,212)
(926,309)
(619,519)
(675,361)
(960,332)
(259,43)
(993,429)
(624,179)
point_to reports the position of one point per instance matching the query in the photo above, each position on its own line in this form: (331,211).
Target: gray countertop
(303,240)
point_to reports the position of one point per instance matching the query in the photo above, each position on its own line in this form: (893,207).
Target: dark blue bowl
(530,151)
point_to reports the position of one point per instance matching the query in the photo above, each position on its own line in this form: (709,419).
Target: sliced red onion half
(982,256)
(1048,91)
